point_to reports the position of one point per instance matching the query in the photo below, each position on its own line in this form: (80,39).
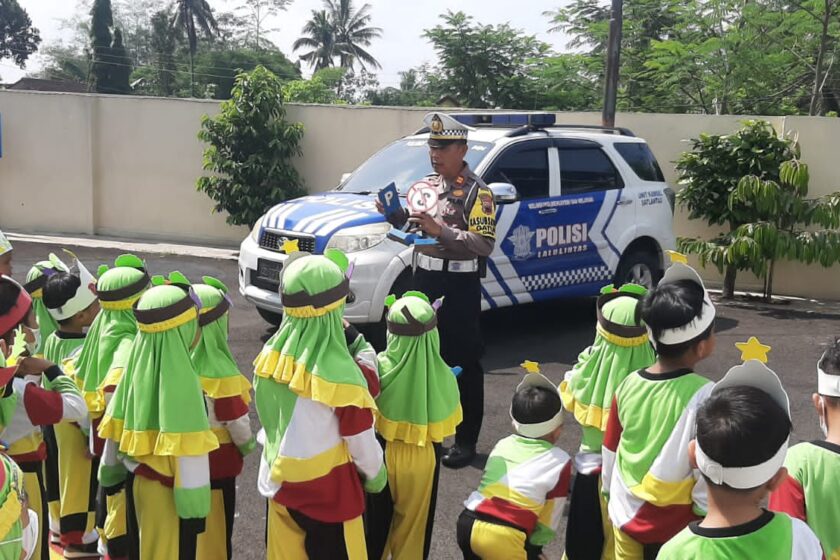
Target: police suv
(578,207)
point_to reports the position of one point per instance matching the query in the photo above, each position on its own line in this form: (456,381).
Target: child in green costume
(621,347)
(18,524)
(419,406)
(71,299)
(156,425)
(316,409)
(227,393)
(98,369)
(36,278)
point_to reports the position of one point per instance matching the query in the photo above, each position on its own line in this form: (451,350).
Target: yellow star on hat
(291,246)
(530,367)
(677,257)
(753,350)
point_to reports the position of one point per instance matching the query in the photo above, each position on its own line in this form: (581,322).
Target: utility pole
(613,55)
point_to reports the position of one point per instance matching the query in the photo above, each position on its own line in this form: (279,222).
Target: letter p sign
(390,199)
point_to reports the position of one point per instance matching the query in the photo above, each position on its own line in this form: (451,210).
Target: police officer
(464,225)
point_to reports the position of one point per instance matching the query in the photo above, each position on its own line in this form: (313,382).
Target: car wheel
(638,268)
(270,316)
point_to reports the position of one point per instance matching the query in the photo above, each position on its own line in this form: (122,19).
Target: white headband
(697,326)
(741,478)
(5,244)
(539,429)
(827,385)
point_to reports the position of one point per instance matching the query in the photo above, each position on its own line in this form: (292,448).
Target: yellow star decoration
(677,257)
(753,350)
(530,367)
(291,246)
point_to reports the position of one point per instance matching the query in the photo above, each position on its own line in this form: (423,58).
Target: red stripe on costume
(657,525)
(36,456)
(353,420)
(43,407)
(789,498)
(228,409)
(148,472)
(98,442)
(614,428)
(333,498)
(508,512)
(372,379)
(561,489)
(225,462)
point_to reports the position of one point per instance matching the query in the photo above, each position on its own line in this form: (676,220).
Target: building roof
(39,84)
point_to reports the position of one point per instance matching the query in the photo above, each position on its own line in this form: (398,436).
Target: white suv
(578,207)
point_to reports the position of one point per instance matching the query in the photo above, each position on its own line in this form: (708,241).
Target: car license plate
(269,270)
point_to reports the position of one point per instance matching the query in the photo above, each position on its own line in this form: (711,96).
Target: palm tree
(320,37)
(338,31)
(189,15)
(353,31)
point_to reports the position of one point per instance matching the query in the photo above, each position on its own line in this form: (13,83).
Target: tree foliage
(250,150)
(18,39)
(338,32)
(190,17)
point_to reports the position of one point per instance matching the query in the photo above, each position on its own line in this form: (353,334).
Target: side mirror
(504,193)
(344,177)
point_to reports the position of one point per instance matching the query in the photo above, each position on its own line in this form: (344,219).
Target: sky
(402,21)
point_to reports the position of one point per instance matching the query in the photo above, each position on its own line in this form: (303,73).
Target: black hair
(9,293)
(741,426)
(532,405)
(670,306)
(830,364)
(60,288)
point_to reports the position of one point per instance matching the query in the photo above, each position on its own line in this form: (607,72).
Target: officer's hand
(379,207)
(426,223)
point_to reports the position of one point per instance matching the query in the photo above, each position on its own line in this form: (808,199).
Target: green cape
(46,323)
(212,359)
(419,400)
(158,407)
(587,390)
(309,352)
(11,494)
(109,338)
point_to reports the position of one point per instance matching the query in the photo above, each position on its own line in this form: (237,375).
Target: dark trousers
(584,531)
(379,513)
(460,339)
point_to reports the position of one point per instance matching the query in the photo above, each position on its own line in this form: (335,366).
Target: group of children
(125,422)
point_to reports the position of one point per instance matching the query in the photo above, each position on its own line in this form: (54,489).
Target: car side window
(585,169)
(524,167)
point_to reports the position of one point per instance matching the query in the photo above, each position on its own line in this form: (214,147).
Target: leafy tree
(353,32)
(163,46)
(102,20)
(321,88)
(18,39)
(782,224)
(120,67)
(256,14)
(710,173)
(218,68)
(414,90)
(250,151)
(485,65)
(190,16)
(319,37)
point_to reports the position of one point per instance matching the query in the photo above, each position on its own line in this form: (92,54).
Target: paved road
(551,334)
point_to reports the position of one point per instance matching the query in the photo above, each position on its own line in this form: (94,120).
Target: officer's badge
(458,192)
(437,125)
(483,214)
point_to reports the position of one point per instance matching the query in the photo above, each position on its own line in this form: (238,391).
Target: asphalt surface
(551,334)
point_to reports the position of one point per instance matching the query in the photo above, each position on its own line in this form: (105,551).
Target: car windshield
(403,162)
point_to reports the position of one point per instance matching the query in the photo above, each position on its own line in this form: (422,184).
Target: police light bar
(505,119)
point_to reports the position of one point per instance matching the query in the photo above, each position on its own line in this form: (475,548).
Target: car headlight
(255,232)
(359,238)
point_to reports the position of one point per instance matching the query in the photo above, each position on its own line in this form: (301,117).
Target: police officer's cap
(444,130)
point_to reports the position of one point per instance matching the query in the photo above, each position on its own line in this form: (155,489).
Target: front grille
(273,240)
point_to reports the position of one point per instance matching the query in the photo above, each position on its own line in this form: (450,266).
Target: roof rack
(614,129)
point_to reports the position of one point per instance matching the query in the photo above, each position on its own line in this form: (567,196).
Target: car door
(514,266)
(590,205)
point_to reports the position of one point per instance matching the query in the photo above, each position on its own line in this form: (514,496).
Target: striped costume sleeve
(232,413)
(50,406)
(365,357)
(789,498)
(356,428)
(112,471)
(552,512)
(192,486)
(610,447)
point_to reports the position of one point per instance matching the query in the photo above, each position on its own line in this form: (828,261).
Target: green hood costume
(621,347)
(419,400)
(309,351)
(11,495)
(36,279)
(158,408)
(217,370)
(109,338)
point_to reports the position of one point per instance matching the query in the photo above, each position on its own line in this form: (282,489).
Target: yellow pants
(609,538)
(626,547)
(33,484)
(215,542)
(76,484)
(490,541)
(113,531)
(293,536)
(158,523)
